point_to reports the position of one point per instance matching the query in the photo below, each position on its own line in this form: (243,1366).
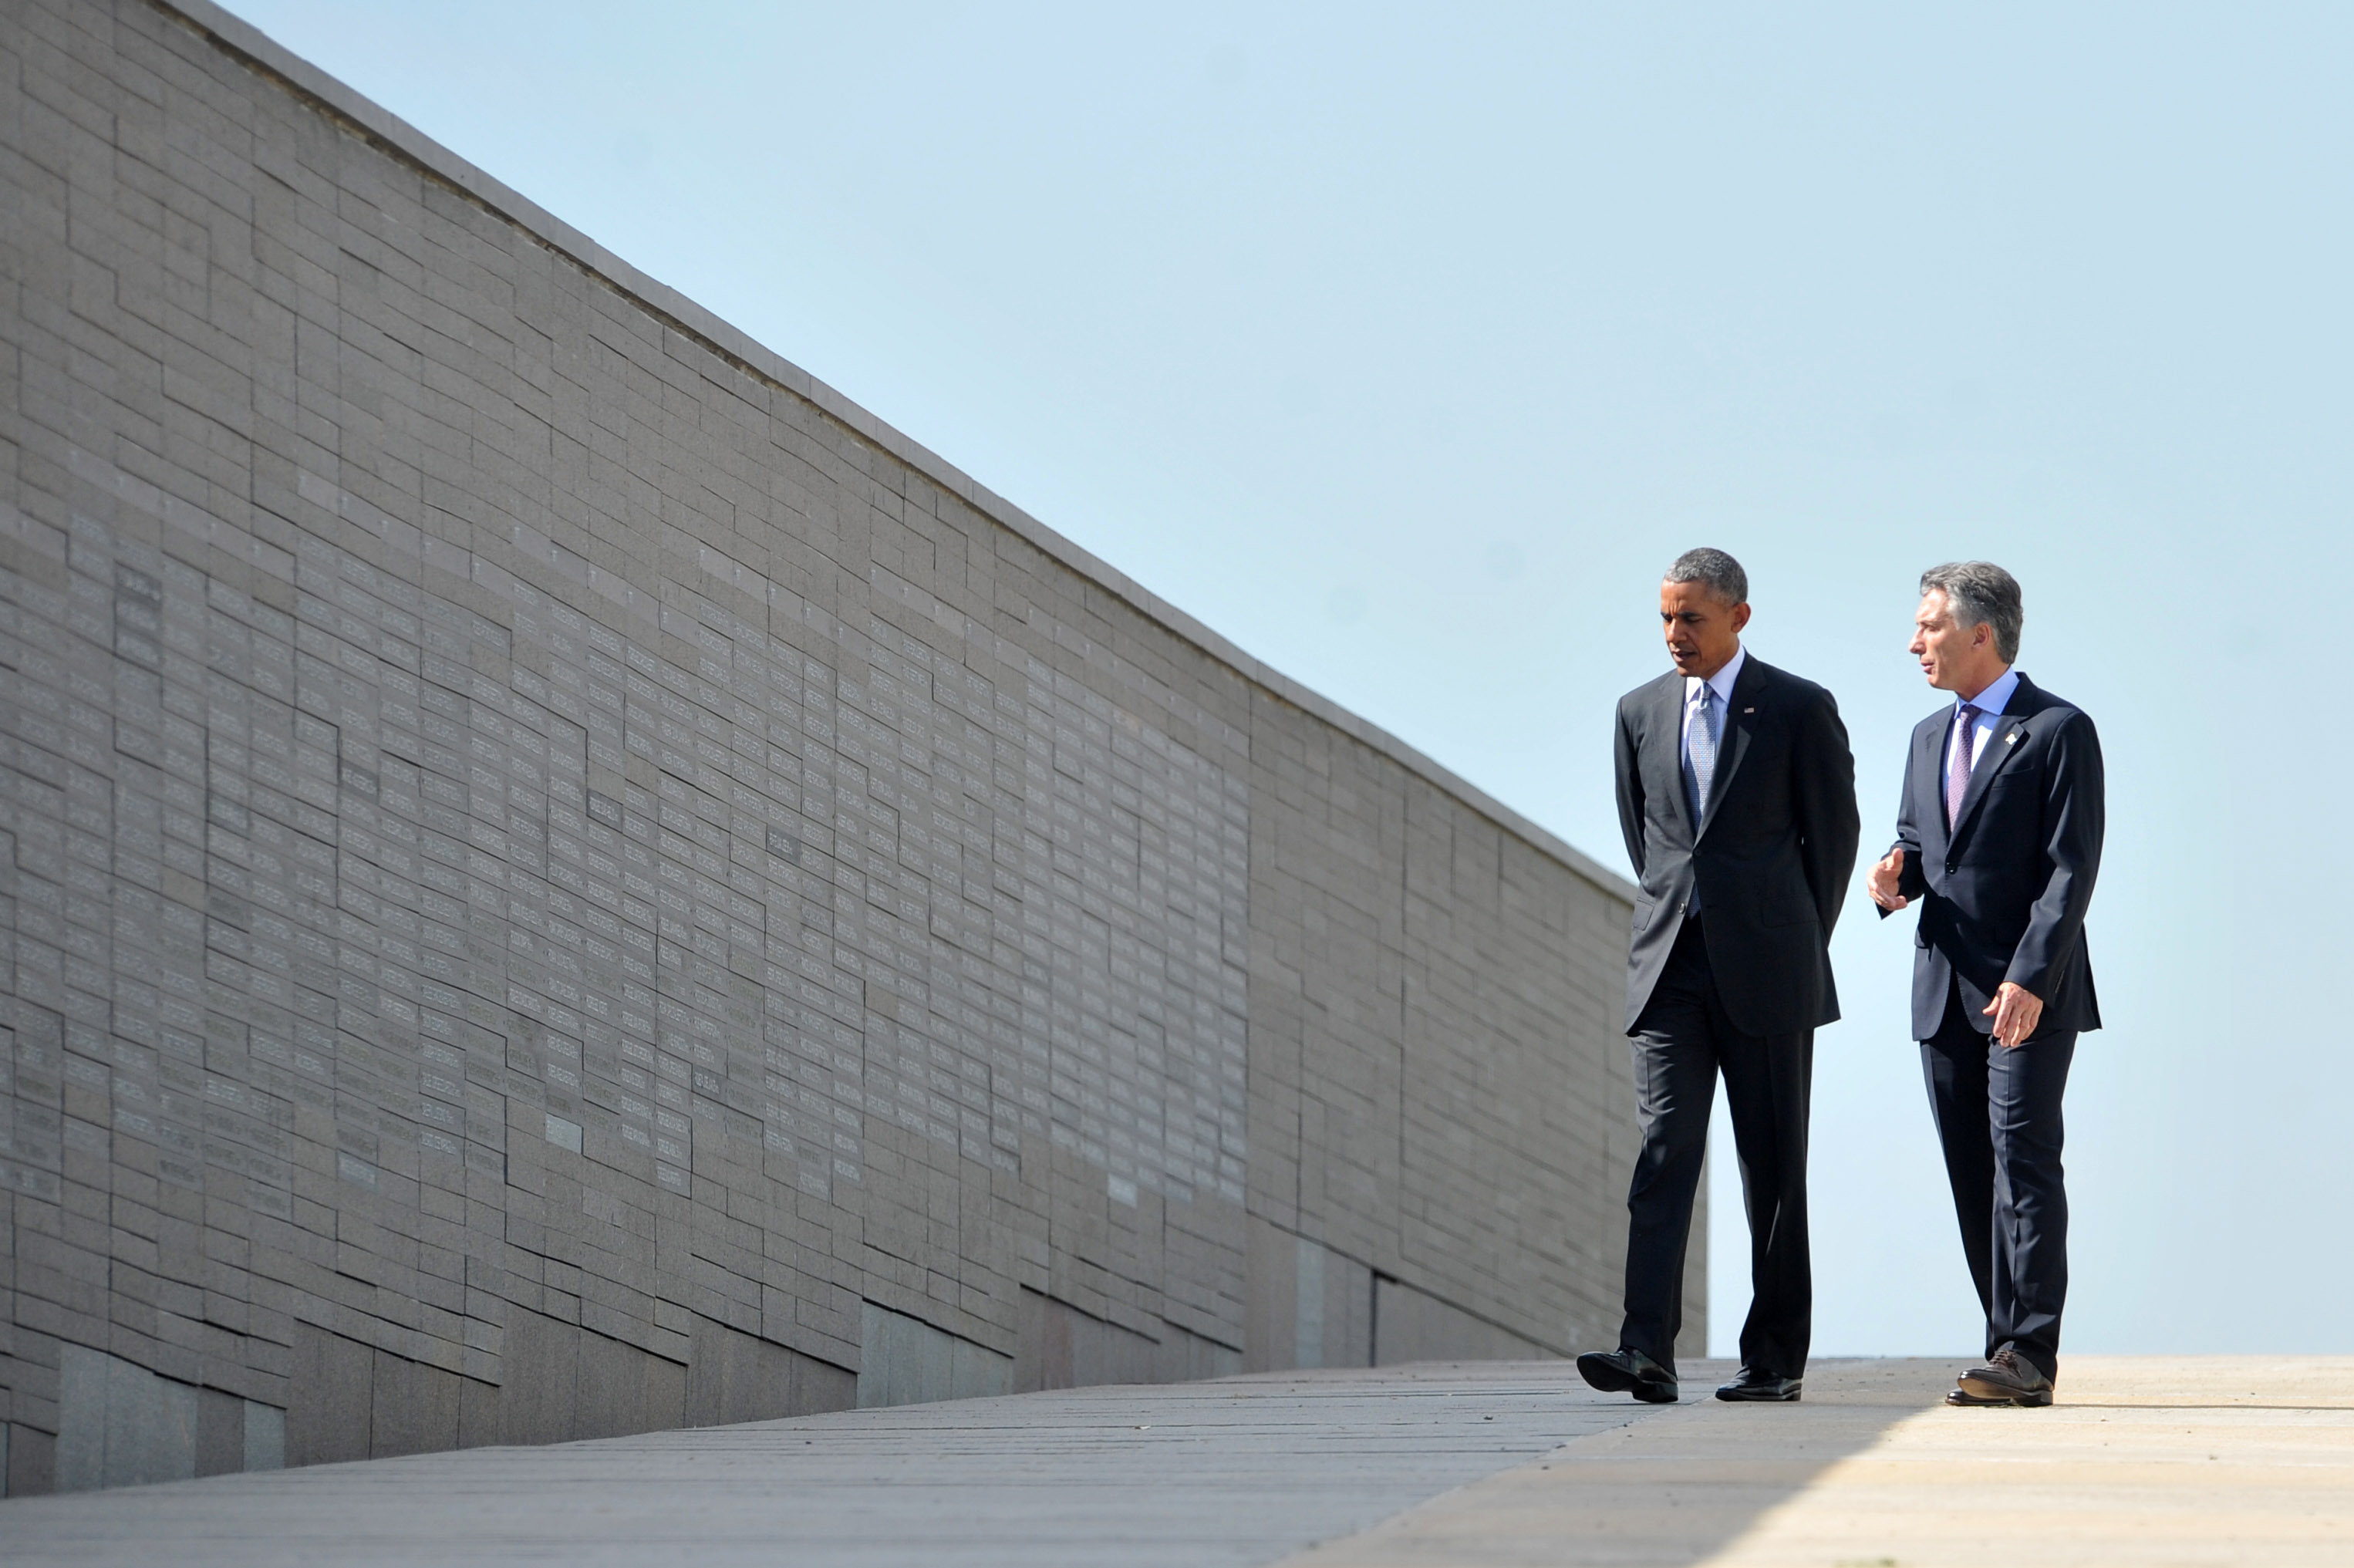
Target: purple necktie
(1957,766)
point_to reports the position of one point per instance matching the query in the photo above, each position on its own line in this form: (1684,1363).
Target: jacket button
(1951,868)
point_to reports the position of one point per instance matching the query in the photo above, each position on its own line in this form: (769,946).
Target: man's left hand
(2016,1011)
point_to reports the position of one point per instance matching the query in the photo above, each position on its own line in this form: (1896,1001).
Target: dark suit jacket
(1771,857)
(2003,897)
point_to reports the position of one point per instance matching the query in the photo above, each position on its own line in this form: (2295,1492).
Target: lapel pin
(2011,739)
(1749,710)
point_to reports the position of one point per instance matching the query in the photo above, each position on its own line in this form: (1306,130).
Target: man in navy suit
(1736,794)
(1999,839)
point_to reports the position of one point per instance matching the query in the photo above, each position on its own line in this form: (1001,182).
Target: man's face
(1703,631)
(1951,655)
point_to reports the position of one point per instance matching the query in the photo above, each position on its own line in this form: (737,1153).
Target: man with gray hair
(1999,838)
(1736,793)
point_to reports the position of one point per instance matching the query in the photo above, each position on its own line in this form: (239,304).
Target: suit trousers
(1682,1041)
(1997,1111)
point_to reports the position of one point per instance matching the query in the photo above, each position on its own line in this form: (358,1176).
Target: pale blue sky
(1405,345)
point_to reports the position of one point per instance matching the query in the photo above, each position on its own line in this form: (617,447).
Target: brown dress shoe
(2007,1378)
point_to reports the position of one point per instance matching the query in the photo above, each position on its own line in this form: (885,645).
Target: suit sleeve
(1630,790)
(1913,883)
(2074,817)
(1828,823)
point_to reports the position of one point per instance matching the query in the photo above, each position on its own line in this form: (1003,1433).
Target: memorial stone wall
(559,878)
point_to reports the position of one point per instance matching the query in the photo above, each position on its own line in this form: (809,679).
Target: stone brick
(560,878)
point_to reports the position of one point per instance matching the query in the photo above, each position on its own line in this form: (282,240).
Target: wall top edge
(241,38)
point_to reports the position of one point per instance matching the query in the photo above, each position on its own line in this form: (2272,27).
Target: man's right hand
(1885,875)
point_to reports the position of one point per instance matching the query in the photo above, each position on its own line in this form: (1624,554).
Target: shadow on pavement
(1677,1488)
(1238,1471)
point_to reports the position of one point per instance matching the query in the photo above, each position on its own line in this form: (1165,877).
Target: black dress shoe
(1757,1387)
(1629,1371)
(2007,1378)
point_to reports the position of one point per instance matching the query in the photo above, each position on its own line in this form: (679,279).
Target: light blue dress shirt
(1991,704)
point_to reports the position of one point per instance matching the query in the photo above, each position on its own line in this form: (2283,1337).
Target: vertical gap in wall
(1300,1140)
(1405,849)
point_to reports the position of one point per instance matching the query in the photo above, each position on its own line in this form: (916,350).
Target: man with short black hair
(1736,793)
(1999,837)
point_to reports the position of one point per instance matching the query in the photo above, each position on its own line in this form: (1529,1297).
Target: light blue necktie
(1700,751)
(1700,765)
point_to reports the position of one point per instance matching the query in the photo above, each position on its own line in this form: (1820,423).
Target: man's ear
(1740,616)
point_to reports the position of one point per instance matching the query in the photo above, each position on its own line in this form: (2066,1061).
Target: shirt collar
(1722,682)
(1995,697)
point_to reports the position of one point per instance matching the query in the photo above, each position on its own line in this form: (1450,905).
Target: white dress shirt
(1721,683)
(1989,704)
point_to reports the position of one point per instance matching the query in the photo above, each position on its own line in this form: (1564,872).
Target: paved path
(2188,1460)
(2176,1461)
(1239,1471)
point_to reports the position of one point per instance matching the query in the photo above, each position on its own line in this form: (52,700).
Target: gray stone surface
(558,878)
(2144,1460)
(1239,1471)
(119,1424)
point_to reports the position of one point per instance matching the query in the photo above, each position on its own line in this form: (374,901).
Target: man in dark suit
(1736,793)
(1999,837)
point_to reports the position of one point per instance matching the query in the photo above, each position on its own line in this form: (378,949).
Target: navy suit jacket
(1771,855)
(2002,897)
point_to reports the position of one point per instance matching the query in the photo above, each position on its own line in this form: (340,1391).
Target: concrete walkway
(2175,1461)
(1241,1471)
